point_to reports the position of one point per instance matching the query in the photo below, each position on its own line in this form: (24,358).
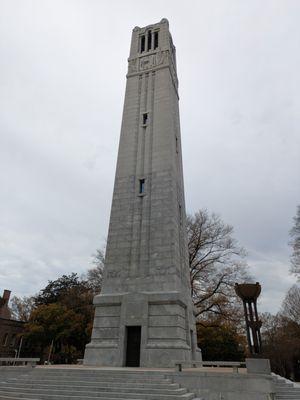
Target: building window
(155,40)
(145,118)
(180,214)
(13,340)
(176,144)
(4,341)
(143,42)
(142,186)
(149,39)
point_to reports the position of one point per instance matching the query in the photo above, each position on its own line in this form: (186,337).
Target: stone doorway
(133,346)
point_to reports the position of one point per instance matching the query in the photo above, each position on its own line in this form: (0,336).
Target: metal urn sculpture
(249,293)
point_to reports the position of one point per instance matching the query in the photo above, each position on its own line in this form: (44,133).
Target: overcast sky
(62,81)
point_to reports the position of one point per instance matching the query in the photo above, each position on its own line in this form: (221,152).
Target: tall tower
(144,314)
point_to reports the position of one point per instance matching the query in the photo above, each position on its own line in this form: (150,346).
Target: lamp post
(16,354)
(20,347)
(50,351)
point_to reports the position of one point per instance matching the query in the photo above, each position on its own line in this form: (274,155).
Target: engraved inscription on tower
(144,314)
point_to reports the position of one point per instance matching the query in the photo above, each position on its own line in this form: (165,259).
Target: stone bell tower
(144,314)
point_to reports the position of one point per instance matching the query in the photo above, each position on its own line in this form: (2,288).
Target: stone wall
(226,386)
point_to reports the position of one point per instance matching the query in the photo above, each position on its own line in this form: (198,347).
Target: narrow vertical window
(149,40)
(143,40)
(145,118)
(13,340)
(180,214)
(176,144)
(155,40)
(142,186)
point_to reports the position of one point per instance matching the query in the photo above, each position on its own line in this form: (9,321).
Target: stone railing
(235,365)
(253,365)
(19,361)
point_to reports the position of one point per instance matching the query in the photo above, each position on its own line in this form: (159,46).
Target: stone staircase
(285,390)
(85,384)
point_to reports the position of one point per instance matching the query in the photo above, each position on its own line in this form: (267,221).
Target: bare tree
(216,263)
(94,275)
(21,307)
(291,304)
(281,336)
(295,243)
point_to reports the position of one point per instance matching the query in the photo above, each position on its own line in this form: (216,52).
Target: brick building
(10,330)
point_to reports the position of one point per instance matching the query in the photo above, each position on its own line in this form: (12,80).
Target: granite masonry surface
(145,296)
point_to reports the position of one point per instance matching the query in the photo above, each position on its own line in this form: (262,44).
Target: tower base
(142,329)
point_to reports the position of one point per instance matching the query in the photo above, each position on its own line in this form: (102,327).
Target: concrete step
(95,388)
(107,378)
(69,392)
(285,390)
(89,380)
(102,383)
(24,396)
(284,385)
(2,397)
(77,384)
(106,372)
(103,377)
(44,395)
(110,378)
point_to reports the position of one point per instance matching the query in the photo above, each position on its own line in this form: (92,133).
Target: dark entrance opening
(133,348)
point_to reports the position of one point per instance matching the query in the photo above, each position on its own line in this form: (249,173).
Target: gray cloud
(62,82)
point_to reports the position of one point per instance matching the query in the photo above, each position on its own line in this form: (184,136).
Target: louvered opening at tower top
(149,41)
